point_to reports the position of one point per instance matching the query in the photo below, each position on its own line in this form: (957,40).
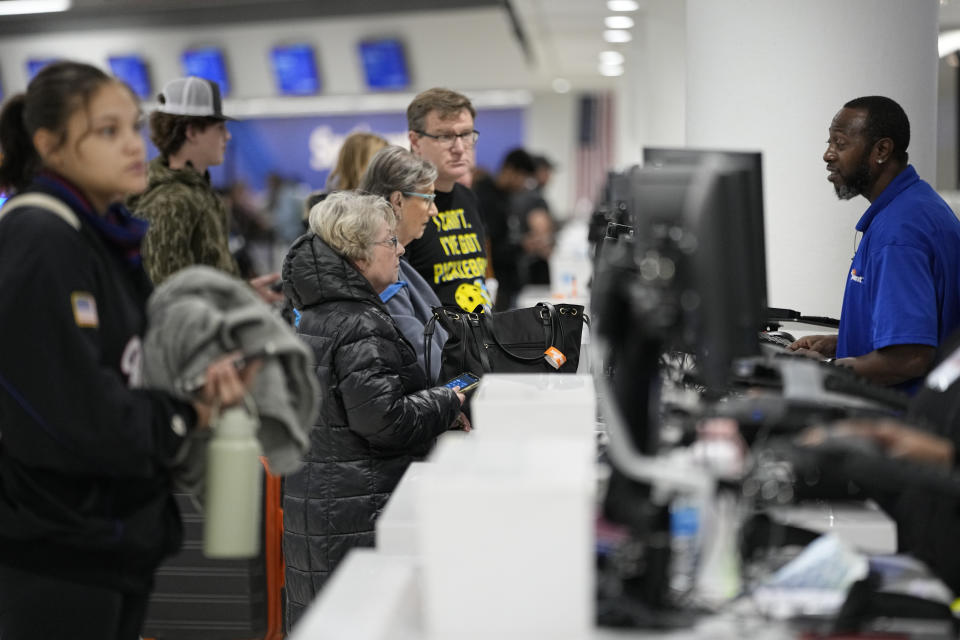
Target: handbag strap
(428,331)
(477,327)
(555,337)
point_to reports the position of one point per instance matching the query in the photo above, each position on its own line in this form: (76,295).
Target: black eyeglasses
(468,138)
(389,243)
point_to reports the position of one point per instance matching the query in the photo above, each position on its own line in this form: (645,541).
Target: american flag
(594,155)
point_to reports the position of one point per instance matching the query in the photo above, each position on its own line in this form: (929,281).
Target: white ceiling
(565,36)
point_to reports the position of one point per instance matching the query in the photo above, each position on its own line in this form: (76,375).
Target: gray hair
(396,169)
(349,222)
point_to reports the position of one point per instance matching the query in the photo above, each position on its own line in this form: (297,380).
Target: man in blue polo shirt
(902,296)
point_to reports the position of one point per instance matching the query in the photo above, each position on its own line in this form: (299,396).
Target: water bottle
(233,487)
(684,545)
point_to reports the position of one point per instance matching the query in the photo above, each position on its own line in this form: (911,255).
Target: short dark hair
(885,119)
(54,94)
(519,160)
(543,162)
(448,104)
(169,131)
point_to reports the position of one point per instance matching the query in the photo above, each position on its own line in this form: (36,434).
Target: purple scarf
(116,226)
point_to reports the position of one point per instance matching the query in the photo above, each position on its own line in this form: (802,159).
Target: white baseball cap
(192,96)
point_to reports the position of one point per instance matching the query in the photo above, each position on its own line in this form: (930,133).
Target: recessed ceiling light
(622,5)
(561,85)
(617,35)
(948,42)
(20,7)
(611,70)
(618,22)
(611,57)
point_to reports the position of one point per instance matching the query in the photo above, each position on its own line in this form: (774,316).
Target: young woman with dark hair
(86,513)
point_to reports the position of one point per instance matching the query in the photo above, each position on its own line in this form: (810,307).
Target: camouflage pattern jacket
(188,222)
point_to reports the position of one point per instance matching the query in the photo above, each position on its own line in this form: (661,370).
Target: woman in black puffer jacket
(377,414)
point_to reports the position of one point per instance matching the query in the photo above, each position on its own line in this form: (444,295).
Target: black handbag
(512,341)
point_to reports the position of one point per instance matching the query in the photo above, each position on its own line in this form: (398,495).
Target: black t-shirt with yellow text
(451,255)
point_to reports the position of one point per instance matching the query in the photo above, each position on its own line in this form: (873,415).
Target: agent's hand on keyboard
(825,346)
(897,439)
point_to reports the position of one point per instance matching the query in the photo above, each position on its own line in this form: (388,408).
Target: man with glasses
(451,255)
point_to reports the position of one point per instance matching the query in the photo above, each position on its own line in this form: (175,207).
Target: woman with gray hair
(406,182)
(377,411)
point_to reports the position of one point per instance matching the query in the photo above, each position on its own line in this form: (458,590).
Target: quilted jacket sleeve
(368,365)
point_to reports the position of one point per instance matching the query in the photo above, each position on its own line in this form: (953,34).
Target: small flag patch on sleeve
(84,309)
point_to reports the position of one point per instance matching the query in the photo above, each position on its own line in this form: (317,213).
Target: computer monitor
(695,234)
(295,69)
(34,65)
(209,63)
(384,65)
(133,70)
(751,165)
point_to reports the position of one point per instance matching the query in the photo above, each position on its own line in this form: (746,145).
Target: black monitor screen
(132,70)
(751,163)
(384,64)
(207,62)
(702,215)
(35,64)
(295,69)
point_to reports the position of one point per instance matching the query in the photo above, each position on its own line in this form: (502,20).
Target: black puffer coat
(376,416)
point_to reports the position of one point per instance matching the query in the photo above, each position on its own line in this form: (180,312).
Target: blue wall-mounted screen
(35,64)
(207,62)
(295,69)
(132,70)
(384,64)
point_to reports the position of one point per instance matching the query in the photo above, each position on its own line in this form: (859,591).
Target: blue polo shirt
(904,284)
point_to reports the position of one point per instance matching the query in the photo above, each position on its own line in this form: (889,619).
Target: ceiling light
(622,5)
(948,42)
(19,7)
(611,70)
(617,35)
(561,85)
(611,57)
(618,22)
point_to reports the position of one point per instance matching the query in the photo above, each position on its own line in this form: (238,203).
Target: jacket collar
(319,274)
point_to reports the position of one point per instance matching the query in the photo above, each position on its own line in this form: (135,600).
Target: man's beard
(856,184)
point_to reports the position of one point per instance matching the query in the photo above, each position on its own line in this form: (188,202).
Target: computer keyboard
(844,380)
(777,339)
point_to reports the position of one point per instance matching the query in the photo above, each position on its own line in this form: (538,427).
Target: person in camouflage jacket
(188,220)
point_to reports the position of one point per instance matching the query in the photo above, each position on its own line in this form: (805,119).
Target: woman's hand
(462,423)
(225,386)
(263,285)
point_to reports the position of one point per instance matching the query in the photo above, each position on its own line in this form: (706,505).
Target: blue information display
(384,64)
(295,69)
(35,64)
(132,70)
(207,62)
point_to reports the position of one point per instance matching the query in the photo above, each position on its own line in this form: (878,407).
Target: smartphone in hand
(466,381)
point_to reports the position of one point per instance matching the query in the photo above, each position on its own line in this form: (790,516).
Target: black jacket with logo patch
(84,488)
